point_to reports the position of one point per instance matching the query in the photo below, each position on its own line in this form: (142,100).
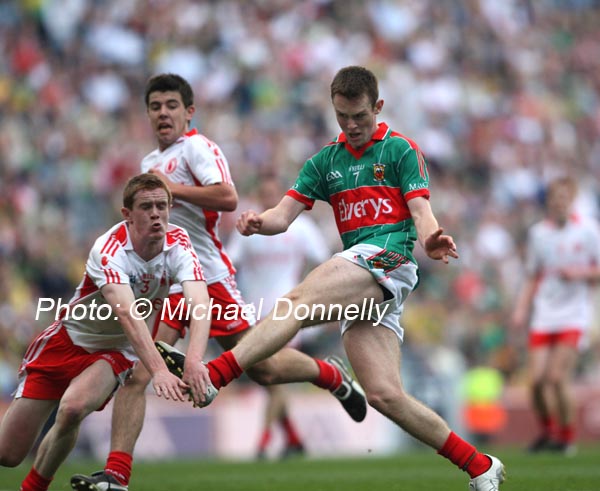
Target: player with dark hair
(377,183)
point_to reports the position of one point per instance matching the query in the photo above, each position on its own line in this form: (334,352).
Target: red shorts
(52,361)
(226,301)
(569,337)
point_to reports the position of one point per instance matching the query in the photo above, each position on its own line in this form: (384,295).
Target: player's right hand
(169,386)
(249,223)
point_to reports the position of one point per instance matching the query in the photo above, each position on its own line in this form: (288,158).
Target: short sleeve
(206,161)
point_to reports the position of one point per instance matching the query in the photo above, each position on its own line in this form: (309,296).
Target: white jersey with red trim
(278,261)
(559,303)
(88,318)
(194,160)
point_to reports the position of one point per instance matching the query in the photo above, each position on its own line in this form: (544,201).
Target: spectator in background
(562,264)
(267,268)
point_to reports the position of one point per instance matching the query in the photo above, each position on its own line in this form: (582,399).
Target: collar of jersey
(379,134)
(128,245)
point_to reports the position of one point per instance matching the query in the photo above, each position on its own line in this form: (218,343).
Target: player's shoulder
(177,236)
(401,141)
(113,239)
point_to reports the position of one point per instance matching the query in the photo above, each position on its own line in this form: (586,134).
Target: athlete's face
(149,216)
(168,116)
(560,200)
(357,118)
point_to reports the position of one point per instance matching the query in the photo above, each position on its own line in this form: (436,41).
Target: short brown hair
(354,81)
(170,82)
(143,182)
(563,182)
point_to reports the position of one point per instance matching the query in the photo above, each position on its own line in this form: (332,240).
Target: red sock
(34,482)
(290,431)
(547,425)
(118,465)
(264,440)
(567,433)
(329,377)
(464,455)
(223,369)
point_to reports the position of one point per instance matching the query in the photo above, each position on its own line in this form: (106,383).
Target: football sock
(547,425)
(264,440)
(567,433)
(118,465)
(329,377)
(34,482)
(464,455)
(223,369)
(291,433)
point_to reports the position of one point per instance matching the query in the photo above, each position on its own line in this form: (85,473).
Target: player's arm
(522,310)
(272,221)
(429,233)
(195,373)
(121,299)
(220,196)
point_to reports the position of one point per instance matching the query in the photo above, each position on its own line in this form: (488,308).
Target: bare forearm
(138,335)
(218,197)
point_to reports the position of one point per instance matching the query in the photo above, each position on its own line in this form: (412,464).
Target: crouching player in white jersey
(563,261)
(197,174)
(79,361)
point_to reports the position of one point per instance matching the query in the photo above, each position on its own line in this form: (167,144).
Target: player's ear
(378,106)
(190,110)
(126,212)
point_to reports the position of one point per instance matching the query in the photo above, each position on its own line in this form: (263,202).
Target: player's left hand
(440,247)
(195,375)
(163,176)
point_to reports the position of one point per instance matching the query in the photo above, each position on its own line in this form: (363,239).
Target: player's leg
(537,366)
(374,353)
(86,393)
(561,368)
(262,351)
(20,428)
(337,281)
(128,413)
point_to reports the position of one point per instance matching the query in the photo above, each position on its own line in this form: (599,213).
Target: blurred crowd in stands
(500,95)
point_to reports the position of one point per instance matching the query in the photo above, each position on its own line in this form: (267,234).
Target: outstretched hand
(249,223)
(169,386)
(439,246)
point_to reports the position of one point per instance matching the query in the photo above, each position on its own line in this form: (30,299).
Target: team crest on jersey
(379,172)
(171,166)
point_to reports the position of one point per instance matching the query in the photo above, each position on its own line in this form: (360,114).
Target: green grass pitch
(417,471)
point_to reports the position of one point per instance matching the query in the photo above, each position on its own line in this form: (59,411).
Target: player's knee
(137,382)
(382,397)
(70,413)
(8,459)
(262,373)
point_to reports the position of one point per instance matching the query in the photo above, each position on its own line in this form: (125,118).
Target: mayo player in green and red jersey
(377,184)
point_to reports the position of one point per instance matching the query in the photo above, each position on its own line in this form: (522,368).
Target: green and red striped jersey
(368,189)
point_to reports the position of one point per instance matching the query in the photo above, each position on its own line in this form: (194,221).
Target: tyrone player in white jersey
(81,359)
(280,262)
(197,173)
(562,264)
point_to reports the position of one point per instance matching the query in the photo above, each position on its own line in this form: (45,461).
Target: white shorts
(399,277)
